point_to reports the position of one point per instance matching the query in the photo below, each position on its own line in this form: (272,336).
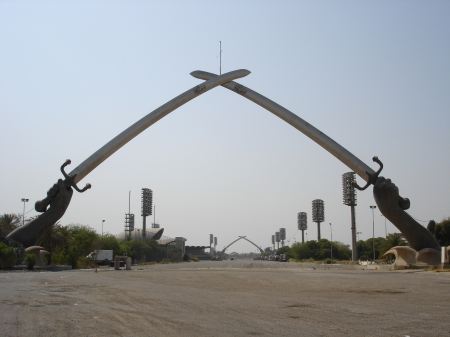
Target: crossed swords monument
(386,194)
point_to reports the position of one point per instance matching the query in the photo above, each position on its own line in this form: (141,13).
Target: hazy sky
(372,75)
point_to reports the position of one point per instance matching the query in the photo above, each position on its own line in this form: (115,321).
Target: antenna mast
(220,69)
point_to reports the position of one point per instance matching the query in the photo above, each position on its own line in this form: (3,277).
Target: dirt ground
(225,298)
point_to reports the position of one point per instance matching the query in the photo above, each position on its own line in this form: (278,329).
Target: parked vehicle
(102,257)
(283,258)
(276,257)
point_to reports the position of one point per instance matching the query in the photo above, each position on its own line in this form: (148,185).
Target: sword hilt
(41,205)
(70,179)
(404,203)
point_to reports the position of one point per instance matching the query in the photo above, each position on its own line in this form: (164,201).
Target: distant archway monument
(386,194)
(240,238)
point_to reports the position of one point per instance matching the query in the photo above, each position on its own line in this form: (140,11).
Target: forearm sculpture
(59,196)
(386,195)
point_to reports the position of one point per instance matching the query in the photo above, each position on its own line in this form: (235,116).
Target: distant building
(198,252)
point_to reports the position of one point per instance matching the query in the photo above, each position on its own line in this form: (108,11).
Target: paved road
(225,298)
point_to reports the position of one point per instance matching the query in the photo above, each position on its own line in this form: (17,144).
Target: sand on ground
(225,298)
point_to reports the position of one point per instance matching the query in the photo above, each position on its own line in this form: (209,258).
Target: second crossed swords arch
(240,238)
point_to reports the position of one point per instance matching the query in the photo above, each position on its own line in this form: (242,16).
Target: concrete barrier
(117,262)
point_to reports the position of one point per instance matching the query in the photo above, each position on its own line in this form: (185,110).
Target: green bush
(195,259)
(8,256)
(30,260)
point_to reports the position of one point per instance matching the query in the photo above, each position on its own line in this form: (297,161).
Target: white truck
(104,257)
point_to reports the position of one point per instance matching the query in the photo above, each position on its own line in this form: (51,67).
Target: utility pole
(331,228)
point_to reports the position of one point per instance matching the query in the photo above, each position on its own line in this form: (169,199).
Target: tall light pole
(277,239)
(349,198)
(102,226)
(331,228)
(373,230)
(23,218)
(282,236)
(302,224)
(318,214)
(146,209)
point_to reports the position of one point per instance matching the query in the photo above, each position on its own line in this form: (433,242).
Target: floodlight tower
(215,244)
(129,223)
(211,242)
(302,224)
(146,201)
(349,197)
(277,239)
(282,236)
(273,242)
(318,214)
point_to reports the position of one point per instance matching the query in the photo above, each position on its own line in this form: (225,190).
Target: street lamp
(102,226)
(357,233)
(331,228)
(373,230)
(24,201)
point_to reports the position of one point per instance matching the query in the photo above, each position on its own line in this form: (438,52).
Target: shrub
(8,256)
(85,263)
(195,259)
(30,260)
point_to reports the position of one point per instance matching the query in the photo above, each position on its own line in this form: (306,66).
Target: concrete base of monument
(406,256)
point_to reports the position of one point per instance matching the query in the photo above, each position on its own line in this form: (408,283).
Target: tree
(301,251)
(30,260)
(82,237)
(365,248)
(320,250)
(108,242)
(392,240)
(8,223)
(284,250)
(55,239)
(8,256)
(442,232)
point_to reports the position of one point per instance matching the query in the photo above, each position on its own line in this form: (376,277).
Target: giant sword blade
(124,137)
(346,157)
